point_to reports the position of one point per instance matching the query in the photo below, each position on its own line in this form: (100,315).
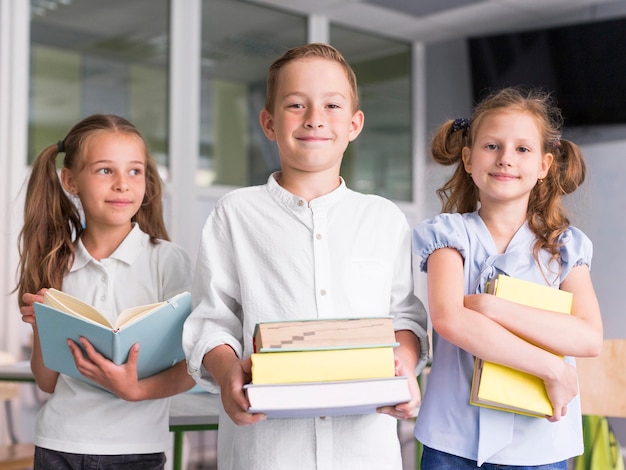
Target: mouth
(312,138)
(503,176)
(119,202)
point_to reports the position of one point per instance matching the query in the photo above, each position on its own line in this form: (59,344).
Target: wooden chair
(15,455)
(602,381)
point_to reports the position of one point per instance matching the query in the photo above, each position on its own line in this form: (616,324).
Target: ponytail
(51,225)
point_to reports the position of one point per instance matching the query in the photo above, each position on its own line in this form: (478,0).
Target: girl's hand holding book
(26,307)
(561,389)
(118,379)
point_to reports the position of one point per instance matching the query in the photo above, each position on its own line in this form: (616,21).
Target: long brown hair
(546,214)
(52,222)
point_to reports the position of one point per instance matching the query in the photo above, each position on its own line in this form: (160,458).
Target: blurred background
(190,74)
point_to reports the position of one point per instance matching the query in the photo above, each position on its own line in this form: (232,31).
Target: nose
(120,184)
(314,119)
(504,159)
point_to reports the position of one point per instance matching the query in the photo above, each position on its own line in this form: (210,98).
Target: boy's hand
(27,310)
(233,398)
(409,409)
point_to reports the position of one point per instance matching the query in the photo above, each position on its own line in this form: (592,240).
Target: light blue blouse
(446,420)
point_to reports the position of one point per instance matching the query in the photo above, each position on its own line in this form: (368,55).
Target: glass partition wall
(89,56)
(380,160)
(239,42)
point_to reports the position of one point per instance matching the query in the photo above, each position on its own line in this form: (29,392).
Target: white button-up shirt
(267,255)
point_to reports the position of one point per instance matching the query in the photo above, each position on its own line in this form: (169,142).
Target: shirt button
(301,203)
(102,298)
(323,292)
(318,236)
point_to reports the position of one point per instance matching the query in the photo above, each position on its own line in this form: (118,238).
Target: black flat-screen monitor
(583,66)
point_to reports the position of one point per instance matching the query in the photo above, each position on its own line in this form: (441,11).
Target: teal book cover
(157,328)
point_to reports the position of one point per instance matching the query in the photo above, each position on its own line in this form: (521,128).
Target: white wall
(599,209)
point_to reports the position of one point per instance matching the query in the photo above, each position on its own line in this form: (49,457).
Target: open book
(156,327)
(500,387)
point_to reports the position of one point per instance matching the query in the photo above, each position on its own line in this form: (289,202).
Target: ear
(546,163)
(466,154)
(267,124)
(68,182)
(356,125)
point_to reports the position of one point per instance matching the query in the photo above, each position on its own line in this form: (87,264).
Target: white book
(351,397)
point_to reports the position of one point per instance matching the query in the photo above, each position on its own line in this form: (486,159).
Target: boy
(303,246)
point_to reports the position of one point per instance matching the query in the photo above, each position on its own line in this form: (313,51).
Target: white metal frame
(14,72)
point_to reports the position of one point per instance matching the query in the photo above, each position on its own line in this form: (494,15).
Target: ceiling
(437,20)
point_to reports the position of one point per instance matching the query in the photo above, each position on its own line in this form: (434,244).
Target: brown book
(337,333)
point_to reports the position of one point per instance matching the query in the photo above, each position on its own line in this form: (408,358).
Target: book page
(133,314)
(73,306)
(76,307)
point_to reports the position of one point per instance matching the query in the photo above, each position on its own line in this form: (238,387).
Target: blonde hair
(52,222)
(546,214)
(306,51)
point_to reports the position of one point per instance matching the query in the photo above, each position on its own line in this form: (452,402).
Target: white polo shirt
(83,419)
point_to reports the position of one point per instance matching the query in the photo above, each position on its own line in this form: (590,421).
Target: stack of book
(324,368)
(500,387)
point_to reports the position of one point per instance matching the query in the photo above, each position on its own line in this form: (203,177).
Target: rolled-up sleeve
(216,315)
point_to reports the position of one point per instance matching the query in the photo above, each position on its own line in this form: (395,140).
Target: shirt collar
(127,252)
(297,203)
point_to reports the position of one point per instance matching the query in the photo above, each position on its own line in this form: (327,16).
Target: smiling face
(110,180)
(507,158)
(313,119)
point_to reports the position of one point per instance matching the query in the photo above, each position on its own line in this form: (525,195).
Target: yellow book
(500,387)
(324,365)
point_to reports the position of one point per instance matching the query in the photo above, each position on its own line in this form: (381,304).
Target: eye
(104,171)
(491,146)
(523,149)
(136,171)
(333,106)
(295,106)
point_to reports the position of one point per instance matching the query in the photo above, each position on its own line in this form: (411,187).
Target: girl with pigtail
(97,233)
(503,214)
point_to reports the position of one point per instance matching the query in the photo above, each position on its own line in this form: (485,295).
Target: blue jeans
(436,460)
(46,459)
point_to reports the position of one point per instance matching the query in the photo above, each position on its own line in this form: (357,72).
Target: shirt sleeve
(576,249)
(216,315)
(407,309)
(442,231)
